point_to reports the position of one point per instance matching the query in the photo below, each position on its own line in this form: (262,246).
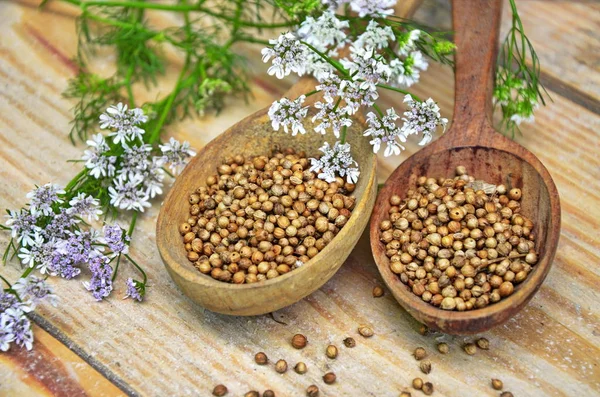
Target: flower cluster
(15,302)
(382,55)
(336,160)
(53,232)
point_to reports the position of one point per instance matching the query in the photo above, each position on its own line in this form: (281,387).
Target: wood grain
(170,346)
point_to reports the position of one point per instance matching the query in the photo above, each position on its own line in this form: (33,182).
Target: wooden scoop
(487,155)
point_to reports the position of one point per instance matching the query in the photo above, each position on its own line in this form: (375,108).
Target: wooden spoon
(487,155)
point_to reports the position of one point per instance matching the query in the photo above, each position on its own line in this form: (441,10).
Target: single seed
(405,394)
(300,368)
(506,394)
(417,383)
(427,388)
(425,367)
(312,391)
(497,384)
(252,393)
(483,343)
(268,393)
(470,348)
(219,390)
(443,348)
(365,331)
(299,341)
(377,292)
(281,366)
(331,351)
(261,358)
(420,353)
(329,378)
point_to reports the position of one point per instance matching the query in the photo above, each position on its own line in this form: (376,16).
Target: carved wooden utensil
(488,155)
(254,136)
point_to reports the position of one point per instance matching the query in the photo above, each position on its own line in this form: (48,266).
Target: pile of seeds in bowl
(459,244)
(262,217)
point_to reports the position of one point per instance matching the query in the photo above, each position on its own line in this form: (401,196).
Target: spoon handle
(476,25)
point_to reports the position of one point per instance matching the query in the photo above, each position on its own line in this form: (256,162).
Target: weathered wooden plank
(170,346)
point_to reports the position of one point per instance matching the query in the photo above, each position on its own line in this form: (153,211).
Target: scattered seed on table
(329,378)
(300,368)
(377,292)
(281,366)
(252,393)
(420,353)
(423,330)
(349,342)
(417,383)
(506,394)
(219,390)
(470,348)
(443,348)
(299,341)
(261,358)
(312,391)
(483,343)
(365,331)
(268,393)
(497,384)
(425,367)
(331,351)
(427,388)
(405,394)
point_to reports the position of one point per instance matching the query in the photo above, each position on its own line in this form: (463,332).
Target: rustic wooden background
(169,346)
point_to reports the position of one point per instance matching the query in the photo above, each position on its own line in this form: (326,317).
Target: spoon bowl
(250,137)
(487,155)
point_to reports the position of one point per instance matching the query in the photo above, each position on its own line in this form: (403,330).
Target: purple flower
(6,337)
(101,282)
(60,226)
(7,301)
(34,290)
(113,237)
(23,226)
(42,198)
(85,206)
(176,153)
(135,290)
(16,323)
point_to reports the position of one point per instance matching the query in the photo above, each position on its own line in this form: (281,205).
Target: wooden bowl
(254,136)
(488,156)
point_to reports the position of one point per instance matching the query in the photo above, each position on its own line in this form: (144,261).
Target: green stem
(128,85)
(132,224)
(6,281)
(389,87)
(138,267)
(344,131)
(327,59)
(114,277)
(75,180)
(379,111)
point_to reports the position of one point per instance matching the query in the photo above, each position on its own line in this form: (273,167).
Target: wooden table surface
(169,346)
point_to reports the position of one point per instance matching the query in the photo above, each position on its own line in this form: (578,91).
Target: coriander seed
(470,348)
(506,394)
(377,292)
(300,368)
(281,366)
(329,378)
(417,383)
(443,348)
(312,391)
(219,390)
(497,384)
(268,393)
(331,351)
(349,342)
(425,367)
(419,353)
(299,341)
(483,343)
(365,331)
(427,388)
(252,393)
(261,358)
(405,394)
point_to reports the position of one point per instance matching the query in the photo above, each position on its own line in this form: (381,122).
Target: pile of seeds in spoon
(458,243)
(262,217)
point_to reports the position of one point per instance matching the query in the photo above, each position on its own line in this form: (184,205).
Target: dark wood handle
(476,26)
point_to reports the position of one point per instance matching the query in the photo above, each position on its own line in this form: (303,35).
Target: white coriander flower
(374,36)
(406,41)
(123,123)
(33,290)
(130,194)
(99,164)
(288,53)
(42,198)
(422,118)
(329,84)
(374,8)
(407,72)
(85,206)
(317,66)
(356,95)
(385,131)
(153,177)
(40,252)
(324,31)
(335,160)
(176,154)
(367,65)
(288,113)
(23,226)
(135,160)
(330,117)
